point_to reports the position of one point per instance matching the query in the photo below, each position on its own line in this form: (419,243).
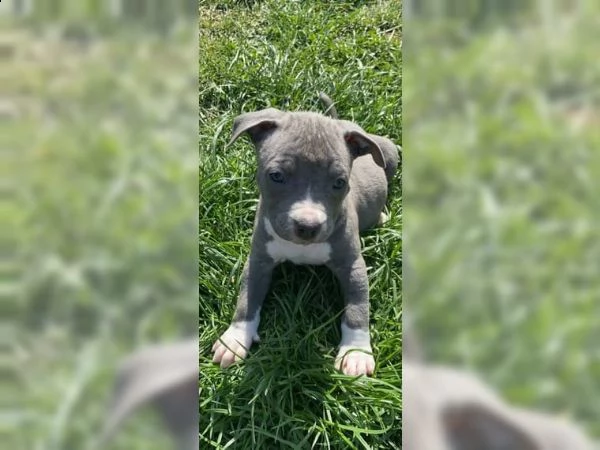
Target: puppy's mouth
(288,230)
(300,241)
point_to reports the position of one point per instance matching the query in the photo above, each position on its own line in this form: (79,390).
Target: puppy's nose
(306,229)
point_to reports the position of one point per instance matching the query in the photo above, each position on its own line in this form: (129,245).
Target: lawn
(501,196)
(287,393)
(99,143)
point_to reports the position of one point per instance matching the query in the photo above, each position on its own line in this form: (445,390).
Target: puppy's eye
(340,183)
(276,177)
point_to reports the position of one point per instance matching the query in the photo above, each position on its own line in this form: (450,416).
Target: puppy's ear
(156,374)
(257,124)
(360,143)
(391,154)
(475,427)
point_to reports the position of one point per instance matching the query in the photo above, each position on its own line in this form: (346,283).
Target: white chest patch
(281,250)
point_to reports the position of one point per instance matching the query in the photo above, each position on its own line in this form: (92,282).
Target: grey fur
(167,376)
(312,153)
(448,409)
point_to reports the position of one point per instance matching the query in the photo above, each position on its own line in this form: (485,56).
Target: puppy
(322,180)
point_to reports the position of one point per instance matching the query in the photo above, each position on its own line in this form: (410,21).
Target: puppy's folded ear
(163,374)
(359,142)
(257,124)
(475,426)
(391,153)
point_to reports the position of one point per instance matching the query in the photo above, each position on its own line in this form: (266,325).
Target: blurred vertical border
(501,183)
(98,136)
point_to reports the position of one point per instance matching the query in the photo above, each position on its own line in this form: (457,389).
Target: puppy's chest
(314,254)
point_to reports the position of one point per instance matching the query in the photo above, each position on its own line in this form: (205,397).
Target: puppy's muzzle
(307,230)
(308,223)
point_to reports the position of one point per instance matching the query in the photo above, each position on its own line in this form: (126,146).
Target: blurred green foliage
(100,138)
(501,194)
(89,16)
(479,14)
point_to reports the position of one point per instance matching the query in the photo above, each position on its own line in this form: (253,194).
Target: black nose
(306,230)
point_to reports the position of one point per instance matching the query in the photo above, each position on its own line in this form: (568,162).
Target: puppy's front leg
(355,356)
(234,344)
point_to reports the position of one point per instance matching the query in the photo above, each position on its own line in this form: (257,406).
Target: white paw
(233,345)
(353,361)
(355,356)
(383,218)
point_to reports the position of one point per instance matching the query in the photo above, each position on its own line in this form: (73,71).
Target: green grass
(501,194)
(99,148)
(286,394)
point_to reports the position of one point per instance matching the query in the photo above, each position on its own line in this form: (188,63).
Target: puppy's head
(304,165)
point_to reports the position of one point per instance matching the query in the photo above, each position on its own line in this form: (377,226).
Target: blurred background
(98,131)
(98,136)
(501,181)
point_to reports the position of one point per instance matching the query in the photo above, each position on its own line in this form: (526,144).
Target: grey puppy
(322,180)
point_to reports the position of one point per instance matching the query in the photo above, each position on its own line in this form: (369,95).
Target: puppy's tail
(328,105)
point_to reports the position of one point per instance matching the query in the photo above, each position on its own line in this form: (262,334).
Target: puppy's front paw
(353,361)
(233,345)
(383,218)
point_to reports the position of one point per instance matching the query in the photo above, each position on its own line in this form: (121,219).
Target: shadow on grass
(287,393)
